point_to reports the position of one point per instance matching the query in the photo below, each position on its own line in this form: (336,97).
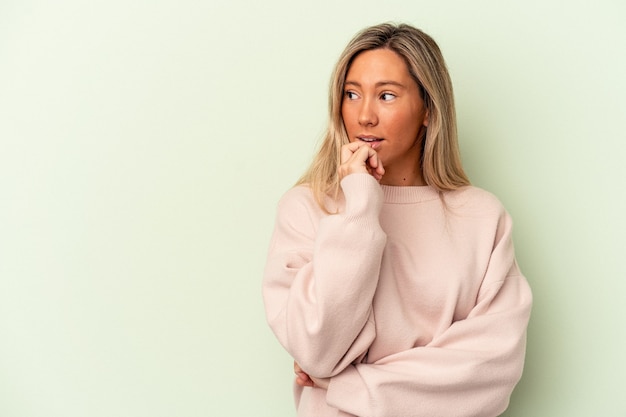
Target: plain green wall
(144,145)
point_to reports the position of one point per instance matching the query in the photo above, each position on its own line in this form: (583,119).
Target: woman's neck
(401,178)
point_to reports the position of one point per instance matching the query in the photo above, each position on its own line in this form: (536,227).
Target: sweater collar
(408,195)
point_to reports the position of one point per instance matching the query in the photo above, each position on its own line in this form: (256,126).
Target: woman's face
(382,106)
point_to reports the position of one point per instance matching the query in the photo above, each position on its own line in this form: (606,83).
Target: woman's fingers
(302,378)
(374,164)
(348,150)
(359,157)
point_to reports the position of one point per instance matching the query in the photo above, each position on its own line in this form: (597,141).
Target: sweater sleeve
(468,370)
(320,277)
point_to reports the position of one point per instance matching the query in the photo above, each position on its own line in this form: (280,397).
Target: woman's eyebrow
(378,84)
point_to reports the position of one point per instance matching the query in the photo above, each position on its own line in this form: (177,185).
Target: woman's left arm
(468,370)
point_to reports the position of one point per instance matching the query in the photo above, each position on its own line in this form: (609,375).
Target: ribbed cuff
(363,195)
(347,392)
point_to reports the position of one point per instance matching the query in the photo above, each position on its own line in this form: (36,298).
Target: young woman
(390,280)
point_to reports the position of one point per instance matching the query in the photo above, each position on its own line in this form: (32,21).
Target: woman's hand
(359,157)
(304,380)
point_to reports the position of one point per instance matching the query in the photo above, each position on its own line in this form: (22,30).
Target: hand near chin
(359,157)
(304,380)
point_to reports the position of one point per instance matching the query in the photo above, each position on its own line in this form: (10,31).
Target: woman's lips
(373,141)
(368,139)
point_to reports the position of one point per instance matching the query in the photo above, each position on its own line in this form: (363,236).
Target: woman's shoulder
(301,198)
(303,195)
(474,200)
(298,196)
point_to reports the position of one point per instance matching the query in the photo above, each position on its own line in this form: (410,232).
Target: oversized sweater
(412,304)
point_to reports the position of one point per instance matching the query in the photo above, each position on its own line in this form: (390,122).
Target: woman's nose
(367,114)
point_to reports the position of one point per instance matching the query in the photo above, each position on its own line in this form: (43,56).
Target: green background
(144,145)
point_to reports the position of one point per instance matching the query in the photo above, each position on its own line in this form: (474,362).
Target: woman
(390,280)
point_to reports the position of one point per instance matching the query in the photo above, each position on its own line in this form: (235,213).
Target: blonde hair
(440,158)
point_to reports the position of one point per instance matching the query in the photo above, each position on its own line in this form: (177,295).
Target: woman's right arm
(321,276)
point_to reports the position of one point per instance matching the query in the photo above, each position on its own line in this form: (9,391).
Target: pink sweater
(412,308)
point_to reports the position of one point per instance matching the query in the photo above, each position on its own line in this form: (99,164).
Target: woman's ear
(425,122)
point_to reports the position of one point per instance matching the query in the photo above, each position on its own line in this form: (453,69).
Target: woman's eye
(351,95)
(387,96)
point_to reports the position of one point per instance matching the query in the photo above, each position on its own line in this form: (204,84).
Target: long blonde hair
(441,161)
